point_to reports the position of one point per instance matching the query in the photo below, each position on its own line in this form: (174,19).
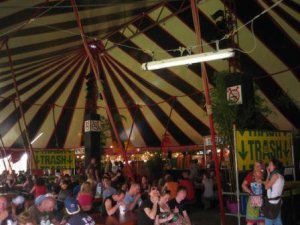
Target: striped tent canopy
(41,47)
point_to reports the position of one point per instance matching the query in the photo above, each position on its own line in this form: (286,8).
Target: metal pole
(20,107)
(96,74)
(3,147)
(204,151)
(209,110)
(293,157)
(236,176)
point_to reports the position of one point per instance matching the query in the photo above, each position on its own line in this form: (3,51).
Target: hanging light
(189,59)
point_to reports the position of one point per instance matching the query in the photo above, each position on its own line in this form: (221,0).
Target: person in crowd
(149,210)
(108,190)
(253,215)
(145,187)
(17,205)
(92,180)
(188,184)
(75,216)
(77,188)
(39,187)
(93,169)
(177,204)
(162,180)
(11,179)
(5,215)
(113,204)
(42,210)
(165,214)
(194,170)
(133,196)
(124,187)
(25,219)
(28,184)
(73,183)
(171,185)
(274,186)
(85,197)
(117,178)
(63,194)
(208,193)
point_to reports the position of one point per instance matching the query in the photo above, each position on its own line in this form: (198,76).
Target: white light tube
(36,138)
(190,59)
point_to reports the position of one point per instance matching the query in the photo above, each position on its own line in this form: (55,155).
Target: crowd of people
(75,199)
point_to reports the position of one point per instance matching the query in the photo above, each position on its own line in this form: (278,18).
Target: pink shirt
(85,199)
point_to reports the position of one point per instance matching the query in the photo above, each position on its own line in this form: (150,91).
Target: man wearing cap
(42,211)
(76,217)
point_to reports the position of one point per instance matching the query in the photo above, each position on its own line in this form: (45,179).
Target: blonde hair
(24,218)
(86,187)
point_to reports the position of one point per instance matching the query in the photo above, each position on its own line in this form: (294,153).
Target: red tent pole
(96,74)
(209,111)
(31,153)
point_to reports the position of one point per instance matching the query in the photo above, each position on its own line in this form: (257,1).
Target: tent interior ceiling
(43,41)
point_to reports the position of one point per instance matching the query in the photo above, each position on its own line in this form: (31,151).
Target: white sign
(92,125)
(207,140)
(234,95)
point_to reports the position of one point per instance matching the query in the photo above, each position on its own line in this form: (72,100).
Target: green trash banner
(55,159)
(255,145)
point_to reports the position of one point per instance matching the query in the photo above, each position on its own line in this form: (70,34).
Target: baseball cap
(72,206)
(39,199)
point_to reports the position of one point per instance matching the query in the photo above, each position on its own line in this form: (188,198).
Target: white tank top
(276,189)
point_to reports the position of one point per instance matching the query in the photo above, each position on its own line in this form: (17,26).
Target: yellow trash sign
(55,159)
(263,145)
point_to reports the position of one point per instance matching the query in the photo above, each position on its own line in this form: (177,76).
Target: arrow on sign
(286,152)
(243,154)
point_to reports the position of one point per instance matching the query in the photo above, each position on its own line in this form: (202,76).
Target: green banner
(263,145)
(55,159)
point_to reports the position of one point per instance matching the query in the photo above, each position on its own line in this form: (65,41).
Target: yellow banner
(263,145)
(55,159)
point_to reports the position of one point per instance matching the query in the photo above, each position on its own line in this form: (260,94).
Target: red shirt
(39,190)
(249,178)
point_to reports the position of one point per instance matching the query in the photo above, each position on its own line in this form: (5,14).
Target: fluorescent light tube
(190,59)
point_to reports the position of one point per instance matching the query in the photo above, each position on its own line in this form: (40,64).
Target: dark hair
(119,192)
(277,164)
(181,188)
(40,181)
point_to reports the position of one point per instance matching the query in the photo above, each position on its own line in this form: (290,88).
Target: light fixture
(36,138)
(189,59)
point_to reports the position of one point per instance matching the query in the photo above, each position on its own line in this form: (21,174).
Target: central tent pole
(96,74)
(209,110)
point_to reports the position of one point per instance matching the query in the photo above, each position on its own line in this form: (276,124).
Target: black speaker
(246,84)
(92,137)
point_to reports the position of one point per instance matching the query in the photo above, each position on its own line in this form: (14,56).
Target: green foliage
(104,130)
(249,116)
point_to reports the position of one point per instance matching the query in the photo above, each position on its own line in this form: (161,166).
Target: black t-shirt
(113,203)
(143,219)
(180,206)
